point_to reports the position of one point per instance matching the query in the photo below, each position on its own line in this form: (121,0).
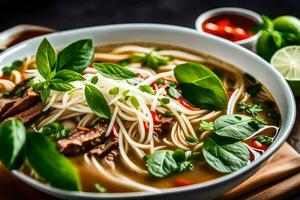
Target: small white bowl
(249,43)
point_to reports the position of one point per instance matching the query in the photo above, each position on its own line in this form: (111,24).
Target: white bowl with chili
(233,24)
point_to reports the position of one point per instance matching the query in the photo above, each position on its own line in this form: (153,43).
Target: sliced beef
(20,88)
(83,140)
(29,99)
(30,114)
(105,148)
(5,104)
(165,126)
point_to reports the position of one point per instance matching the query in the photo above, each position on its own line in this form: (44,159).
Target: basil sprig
(97,102)
(163,163)
(114,71)
(41,152)
(224,150)
(59,70)
(225,154)
(201,86)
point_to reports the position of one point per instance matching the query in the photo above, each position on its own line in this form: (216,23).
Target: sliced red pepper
(154,85)
(156,120)
(251,156)
(179,182)
(146,127)
(91,66)
(184,104)
(257,145)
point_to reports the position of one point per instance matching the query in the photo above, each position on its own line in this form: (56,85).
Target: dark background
(68,14)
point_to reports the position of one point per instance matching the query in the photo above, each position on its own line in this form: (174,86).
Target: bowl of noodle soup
(159,109)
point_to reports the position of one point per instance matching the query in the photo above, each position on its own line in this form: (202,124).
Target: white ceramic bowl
(249,43)
(187,38)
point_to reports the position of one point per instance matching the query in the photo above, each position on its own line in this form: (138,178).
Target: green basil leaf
(77,56)
(147,89)
(94,80)
(12,140)
(45,59)
(44,93)
(164,101)
(114,71)
(225,154)
(253,109)
(69,76)
(192,139)
(208,126)
(97,102)
(161,163)
(173,92)
(50,164)
(14,66)
(55,131)
(134,102)
(60,85)
(236,126)
(201,86)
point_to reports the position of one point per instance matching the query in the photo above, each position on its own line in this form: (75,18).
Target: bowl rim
(232,10)
(215,182)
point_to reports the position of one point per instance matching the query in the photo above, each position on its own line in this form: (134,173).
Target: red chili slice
(179,182)
(156,120)
(184,104)
(256,144)
(146,127)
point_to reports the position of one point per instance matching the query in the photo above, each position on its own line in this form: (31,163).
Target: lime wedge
(287,62)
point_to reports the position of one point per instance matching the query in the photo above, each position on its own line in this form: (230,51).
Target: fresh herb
(208,126)
(147,89)
(124,62)
(134,102)
(16,145)
(160,81)
(49,163)
(114,71)
(69,76)
(253,109)
(173,92)
(125,95)
(97,102)
(94,80)
(100,188)
(152,59)
(164,101)
(237,126)
(264,140)
(7,70)
(77,56)
(200,86)
(57,76)
(169,114)
(257,123)
(225,154)
(192,139)
(46,59)
(163,163)
(55,131)
(114,91)
(253,90)
(12,140)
